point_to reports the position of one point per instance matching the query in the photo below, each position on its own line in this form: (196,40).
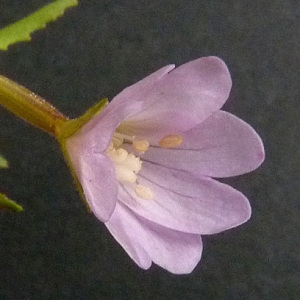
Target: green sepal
(3,163)
(70,127)
(6,203)
(22,29)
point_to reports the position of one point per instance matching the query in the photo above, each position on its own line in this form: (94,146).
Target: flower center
(127,165)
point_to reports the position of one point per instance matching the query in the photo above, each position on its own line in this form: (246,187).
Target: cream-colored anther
(144,192)
(123,137)
(117,141)
(127,165)
(132,162)
(125,174)
(170,141)
(118,155)
(140,146)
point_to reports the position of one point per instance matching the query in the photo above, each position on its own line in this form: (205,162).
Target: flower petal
(129,102)
(181,99)
(122,226)
(222,146)
(144,241)
(186,203)
(96,174)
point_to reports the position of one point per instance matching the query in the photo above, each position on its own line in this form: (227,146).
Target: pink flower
(146,163)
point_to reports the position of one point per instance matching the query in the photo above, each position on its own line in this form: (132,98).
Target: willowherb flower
(146,163)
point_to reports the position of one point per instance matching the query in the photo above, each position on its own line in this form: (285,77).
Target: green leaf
(21,30)
(3,163)
(6,203)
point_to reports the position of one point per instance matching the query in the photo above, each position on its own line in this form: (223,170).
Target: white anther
(132,162)
(127,165)
(117,141)
(117,155)
(140,145)
(144,192)
(125,174)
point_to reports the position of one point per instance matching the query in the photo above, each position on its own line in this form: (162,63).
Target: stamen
(132,162)
(144,192)
(170,141)
(127,165)
(125,174)
(140,146)
(117,141)
(117,155)
(125,137)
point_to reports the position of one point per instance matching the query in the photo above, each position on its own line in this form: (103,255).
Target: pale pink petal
(129,102)
(93,169)
(122,226)
(96,174)
(174,251)
(100,129)
(186,203)
(222,146)
(141,90)
(181,99)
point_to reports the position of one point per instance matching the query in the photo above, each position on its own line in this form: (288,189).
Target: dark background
(55,249)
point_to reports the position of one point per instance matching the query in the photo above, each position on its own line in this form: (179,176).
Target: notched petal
(145,241)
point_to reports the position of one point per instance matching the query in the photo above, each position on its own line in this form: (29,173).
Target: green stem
(30,107)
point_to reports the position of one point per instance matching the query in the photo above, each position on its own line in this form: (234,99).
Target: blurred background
(55,249)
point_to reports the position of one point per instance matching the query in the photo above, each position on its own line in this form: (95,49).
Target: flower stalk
(30,107)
